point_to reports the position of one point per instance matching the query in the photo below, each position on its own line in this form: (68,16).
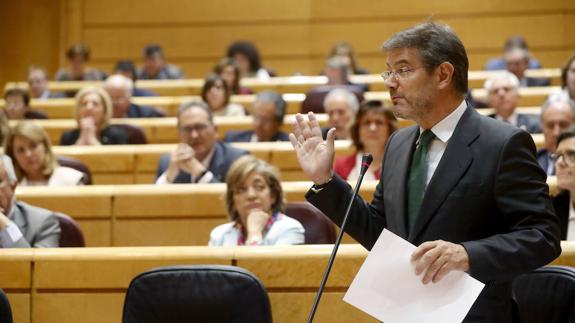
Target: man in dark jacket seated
(199,157)
(268,116)
(120,89)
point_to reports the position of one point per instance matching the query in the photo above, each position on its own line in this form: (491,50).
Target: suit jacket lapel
(217,162)
(398,177)
(453,165)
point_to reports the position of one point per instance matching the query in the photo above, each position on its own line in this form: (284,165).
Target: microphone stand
(365,162)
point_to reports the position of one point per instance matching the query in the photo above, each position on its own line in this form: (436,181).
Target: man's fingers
(426,260)
(433,268)
(444,270)
(294,141)
(422,249)
(330,138)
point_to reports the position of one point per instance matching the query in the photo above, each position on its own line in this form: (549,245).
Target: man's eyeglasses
(568,157)
(198,128)
(400,74)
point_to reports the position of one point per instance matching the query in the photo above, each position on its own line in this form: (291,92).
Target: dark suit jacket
(142,111)
(532,81)
(527,122)
(108,136)
(224,156)
(488,194)
(543,160)
(561,205)
(246,136)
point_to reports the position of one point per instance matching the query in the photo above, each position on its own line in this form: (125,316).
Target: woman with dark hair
(567,82)
(216,94)
(34,162)
(247,57)
(229,70)
(564,158)
(373,125)
(255,204)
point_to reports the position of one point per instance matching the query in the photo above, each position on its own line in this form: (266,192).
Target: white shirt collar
(444,129)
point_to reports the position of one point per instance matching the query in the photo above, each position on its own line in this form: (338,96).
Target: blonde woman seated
(254,201)
(29,147)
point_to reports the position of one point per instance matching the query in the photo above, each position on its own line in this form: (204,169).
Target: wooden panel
(97,233)
(161,231)
(98,268)
(295,306)
(98,159)
(183,11)
(20,306)
(16,267)
(57,307)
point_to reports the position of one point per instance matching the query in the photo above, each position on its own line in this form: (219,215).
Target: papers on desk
(387,288)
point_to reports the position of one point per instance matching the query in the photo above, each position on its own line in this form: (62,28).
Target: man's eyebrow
(401,61)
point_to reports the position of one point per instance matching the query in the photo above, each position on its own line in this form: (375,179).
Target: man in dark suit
(199,157)
(503,95)
(517,62)
(557,114)
(268,112)
(464,188)
(21,224)
(120,89)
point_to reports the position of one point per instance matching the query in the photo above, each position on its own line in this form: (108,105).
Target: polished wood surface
(69,285)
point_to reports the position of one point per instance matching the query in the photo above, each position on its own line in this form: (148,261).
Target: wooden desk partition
(282,84)
(88,285)
(148,215)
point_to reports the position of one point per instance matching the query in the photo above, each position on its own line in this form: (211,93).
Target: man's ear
(445,74)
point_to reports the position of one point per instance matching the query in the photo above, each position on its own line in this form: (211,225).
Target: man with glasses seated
(564,160)
(268,116)
(199,157)
(557,114)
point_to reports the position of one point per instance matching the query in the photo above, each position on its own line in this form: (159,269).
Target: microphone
(365,162)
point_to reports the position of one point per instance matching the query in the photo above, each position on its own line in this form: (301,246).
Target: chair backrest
(314,98)
(70,233)
(5,310)
(318,228)
(545,295)
(202,293)
(77,165)
(136,135)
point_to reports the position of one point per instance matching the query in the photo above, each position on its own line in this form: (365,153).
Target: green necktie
(417,177)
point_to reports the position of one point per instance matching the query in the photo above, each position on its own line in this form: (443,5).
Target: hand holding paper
(437,258)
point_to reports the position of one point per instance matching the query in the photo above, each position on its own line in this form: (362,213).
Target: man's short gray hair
(344,93)
(503,75)
(195,104)
(120,80)
(277,100)
(558,98)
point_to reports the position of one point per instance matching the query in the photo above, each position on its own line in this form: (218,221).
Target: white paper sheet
(387,288)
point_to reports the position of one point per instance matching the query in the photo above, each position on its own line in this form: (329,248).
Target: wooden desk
(89,284)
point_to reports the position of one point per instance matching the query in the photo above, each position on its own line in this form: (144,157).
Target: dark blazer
(488,194)
(532,81)
(246,136)
(224,156)
(561,205)
(108,136)
(527,122)
(142,111)
(543,160)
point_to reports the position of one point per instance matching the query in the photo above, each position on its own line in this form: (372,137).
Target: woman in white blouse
(216,94)
(34,162)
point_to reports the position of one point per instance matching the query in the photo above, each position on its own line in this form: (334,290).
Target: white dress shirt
(571,222)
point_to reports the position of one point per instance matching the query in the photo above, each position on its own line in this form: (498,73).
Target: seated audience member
(337,72)
(510,43)
(120,89)
(78,56)
(567,80)
(199,157)
(247,57)
(255,204)
(557,114)
(229,70)
(18,105)
(93,113)
(21,224)
(216,94)
(268,116)
(341,105)
(34,162)
(373,124)
(517,62)
(564,158)
(4,128)
(38,84)
(503,95)
(127,68)
(155,66)
(344,51)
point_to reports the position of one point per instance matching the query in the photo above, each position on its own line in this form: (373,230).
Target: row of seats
(287,84)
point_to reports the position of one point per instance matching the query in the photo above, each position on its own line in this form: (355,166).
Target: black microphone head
(365,162)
